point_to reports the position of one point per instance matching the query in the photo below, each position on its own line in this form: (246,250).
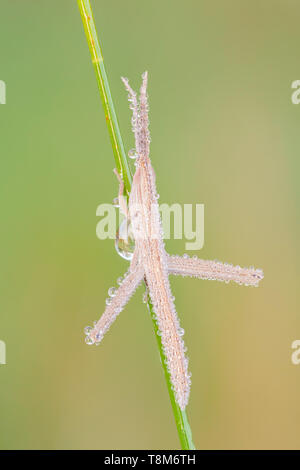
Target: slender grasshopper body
(146,226)
(151,262)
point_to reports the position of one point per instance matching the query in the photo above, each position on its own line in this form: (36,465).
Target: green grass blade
(182,424)
(103,84)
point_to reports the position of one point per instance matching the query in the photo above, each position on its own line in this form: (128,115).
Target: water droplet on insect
(116,202)
(87,330)
(132,154)
(98,337)
(89,340)
(124,242)
(112,291)
(185,256)
(145,297)
(120,280)
(108,300)
(181,331)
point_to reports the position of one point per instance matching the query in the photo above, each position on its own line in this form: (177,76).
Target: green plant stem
(183,427)
(182,424)
(107,102)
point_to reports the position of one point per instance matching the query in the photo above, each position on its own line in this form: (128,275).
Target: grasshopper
(150,260)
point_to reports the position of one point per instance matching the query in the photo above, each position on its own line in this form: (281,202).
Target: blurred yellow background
(224,133)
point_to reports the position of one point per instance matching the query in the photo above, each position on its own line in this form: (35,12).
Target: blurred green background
(224,133)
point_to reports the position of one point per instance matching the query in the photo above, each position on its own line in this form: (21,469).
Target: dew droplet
(185,256)
(120,280)
(116,202)
(112,291)
(108,300)
(89,340)
(98,337)
(124,242)
(87,330)
(181,331)
(132,154)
